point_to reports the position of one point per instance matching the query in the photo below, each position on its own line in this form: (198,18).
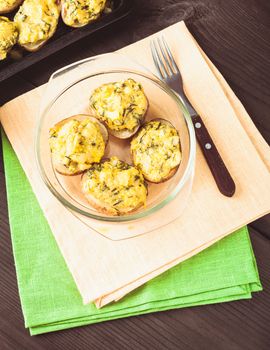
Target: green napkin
(50,300)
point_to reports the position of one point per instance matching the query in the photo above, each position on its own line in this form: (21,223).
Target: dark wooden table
(235,34)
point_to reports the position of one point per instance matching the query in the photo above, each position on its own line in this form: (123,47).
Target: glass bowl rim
(136,215)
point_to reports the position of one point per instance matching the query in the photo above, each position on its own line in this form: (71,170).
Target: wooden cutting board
(106,270)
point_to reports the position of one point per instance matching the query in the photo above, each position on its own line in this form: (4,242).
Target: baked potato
(37,21)
(114,187)
(156,150)
(76,143)
(8,36)
(121,106)
(78,13)
(7,6)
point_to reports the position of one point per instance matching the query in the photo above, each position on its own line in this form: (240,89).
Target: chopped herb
(159,125)
(118,202)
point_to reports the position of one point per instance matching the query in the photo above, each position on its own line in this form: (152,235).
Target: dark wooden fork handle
(220,173)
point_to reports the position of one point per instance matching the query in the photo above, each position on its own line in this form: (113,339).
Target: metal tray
(63,37)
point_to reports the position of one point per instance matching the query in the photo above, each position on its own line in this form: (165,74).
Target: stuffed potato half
(37,21)
(156,150)
(76,143)
(121,106)
(114,187)
(78,13)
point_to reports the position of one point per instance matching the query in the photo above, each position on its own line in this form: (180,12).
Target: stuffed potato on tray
(36,21)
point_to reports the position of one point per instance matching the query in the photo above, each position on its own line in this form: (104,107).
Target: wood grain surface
(235,34)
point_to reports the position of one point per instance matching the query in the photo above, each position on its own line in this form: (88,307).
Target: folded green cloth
(50,300)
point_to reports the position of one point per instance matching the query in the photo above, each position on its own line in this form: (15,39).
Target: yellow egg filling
(81,12)
(116,184)
(37,20)
(77,144)
(121,105)
(156,150)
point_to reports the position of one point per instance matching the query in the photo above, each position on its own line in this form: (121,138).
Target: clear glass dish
(67,94)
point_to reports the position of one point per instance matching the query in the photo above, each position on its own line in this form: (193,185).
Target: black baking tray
(63,37)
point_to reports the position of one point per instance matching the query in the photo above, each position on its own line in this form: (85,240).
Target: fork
(170,74)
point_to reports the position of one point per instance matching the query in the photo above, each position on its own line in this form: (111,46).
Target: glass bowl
(68,94)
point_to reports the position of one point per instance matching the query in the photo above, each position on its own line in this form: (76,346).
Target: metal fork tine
(154,55)
(158,62)
(155,58)
(173,63)
(168,63)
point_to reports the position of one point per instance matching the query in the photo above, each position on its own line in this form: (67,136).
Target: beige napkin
(105,270)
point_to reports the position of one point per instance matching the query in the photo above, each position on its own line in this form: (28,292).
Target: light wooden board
(105,270)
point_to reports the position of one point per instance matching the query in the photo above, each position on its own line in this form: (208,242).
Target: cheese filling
(37,20)
(8,36)
(116,184)
(77,144)
(121,105)
(156,150)
(82,11)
